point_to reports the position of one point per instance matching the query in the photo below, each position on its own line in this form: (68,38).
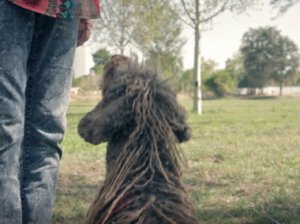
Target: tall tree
(118,23)
(268,55)
(286,61)
(195,14)
(235,67)
(257,49)
(150,26)
(159,36)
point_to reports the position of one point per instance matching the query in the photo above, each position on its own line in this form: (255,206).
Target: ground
(243,163)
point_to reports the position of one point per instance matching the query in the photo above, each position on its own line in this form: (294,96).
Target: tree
(159,27)
(268,55)
(196,13)
(143,24)
(257,50)
(286,61)
(150,26)
(118,23)
(186,81)
(220,83)
(235,67)
(208,67)
(168,65)
(159,38)
(100,57)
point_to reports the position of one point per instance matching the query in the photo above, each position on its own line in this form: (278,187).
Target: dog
(143,124)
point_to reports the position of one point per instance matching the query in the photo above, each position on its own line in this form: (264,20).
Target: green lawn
(243,163)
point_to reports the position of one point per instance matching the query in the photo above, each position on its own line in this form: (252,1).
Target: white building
(83,61)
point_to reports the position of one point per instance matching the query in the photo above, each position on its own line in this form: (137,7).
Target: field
(243,163)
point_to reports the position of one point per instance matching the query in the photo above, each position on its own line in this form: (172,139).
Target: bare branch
(222,9)
(190,24)
(182,19)
(187,12)
(283,5)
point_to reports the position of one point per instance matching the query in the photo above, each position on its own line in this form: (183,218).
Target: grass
(243,163)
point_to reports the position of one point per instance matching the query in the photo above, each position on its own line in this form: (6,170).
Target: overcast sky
(224,39)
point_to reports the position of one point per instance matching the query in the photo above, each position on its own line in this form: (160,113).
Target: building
(83,61)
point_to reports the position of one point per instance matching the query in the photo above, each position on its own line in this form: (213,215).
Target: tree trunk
(280,88)
(121,48)
(197,63)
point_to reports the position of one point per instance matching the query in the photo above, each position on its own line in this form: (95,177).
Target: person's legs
(16,28)
(47,92)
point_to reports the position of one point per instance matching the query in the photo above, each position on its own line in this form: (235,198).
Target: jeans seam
(26,146)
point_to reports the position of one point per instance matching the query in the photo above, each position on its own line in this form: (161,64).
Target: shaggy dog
(142,122)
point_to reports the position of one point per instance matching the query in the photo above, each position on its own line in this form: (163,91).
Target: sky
(223,40)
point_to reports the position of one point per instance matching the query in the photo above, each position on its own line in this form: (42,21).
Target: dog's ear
(105,120)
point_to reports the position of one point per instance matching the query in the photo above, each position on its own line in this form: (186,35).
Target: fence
(270,91)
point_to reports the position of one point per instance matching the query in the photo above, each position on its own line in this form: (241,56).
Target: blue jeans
(36,55)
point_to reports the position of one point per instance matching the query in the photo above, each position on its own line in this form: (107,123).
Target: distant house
(83,61)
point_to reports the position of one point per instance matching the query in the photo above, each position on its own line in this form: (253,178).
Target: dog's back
(142,122)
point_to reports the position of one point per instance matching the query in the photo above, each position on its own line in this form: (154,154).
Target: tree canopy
(268,55)
(100,57)
(159,36)
(235,67)
(220,83)
(117,25)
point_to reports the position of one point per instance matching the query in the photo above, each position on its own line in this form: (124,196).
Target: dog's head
(132,94)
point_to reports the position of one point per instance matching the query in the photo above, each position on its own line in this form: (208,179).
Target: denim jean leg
(49,82)
(16,26)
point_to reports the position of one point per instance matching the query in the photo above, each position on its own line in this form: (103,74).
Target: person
(37,43)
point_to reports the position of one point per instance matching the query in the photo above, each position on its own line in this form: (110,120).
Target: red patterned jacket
(62,8)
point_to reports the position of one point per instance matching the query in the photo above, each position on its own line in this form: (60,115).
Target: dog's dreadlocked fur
(142,122)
